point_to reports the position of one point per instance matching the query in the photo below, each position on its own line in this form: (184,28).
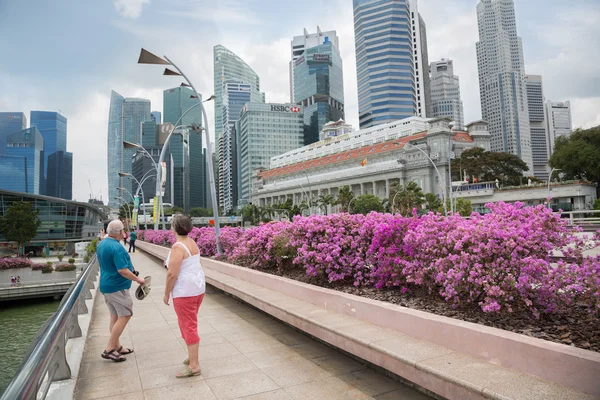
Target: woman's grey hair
(182,224)
(114,227)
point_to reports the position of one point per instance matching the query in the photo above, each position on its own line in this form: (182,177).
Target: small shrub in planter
(86,259)
(45,268)
(64,268)
(71,261)
(60,257)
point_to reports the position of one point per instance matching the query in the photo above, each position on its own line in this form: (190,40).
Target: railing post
(81,306)
(74,330)
(59,359)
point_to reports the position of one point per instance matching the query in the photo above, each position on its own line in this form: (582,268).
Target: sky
(68,55)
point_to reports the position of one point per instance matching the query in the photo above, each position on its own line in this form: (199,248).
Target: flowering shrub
(264,247)
(502,261)
(14,263)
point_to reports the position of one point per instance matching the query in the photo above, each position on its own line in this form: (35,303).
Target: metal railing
(46,361)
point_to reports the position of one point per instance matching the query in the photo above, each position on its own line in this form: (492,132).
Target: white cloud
(130,8)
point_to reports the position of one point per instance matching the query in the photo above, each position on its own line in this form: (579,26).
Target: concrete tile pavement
(244,354)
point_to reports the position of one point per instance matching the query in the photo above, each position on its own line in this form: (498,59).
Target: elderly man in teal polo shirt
(116,274)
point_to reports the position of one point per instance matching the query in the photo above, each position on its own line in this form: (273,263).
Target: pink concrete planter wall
(565,365)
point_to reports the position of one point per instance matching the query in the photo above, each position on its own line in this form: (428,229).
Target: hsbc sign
(282,108)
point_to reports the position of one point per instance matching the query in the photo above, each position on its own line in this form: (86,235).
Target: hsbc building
(264,130)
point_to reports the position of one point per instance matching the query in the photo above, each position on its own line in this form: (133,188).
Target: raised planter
(565,365)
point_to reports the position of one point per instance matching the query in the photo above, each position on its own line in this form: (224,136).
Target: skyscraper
(229,66)
(264,131)
(319,87)
(558,119)
(445,92)
(540,148)
(385,67)
(300,43)
(53,128)
(156,117)
(188,166)
(124,124)
(13,173)
(59,181)
(421,60)
(235,95)
(29,144)
(10,122)
(501,85)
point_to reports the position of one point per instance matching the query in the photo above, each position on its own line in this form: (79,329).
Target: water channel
(20,321)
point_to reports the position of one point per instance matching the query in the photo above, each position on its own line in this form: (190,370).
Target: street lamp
(140,184)
(550,179)
(148,58)
(439,176)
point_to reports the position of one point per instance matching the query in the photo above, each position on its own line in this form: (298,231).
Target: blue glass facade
(10,122)
(384,61)
(189,189)
(157,117)
(13,173)
(60,175)
(125,119)
(53,128)
(319,88)
(29,143)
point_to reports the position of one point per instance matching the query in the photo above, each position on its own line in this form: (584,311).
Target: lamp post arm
(439,176)
(209,154)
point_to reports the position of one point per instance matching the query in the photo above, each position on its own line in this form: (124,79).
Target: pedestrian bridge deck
(244,354)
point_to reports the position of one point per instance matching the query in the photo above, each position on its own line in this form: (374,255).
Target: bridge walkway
(244,354)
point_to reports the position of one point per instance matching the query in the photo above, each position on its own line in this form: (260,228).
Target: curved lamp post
(439,175)
(148,58)
(137,192)
(127,215)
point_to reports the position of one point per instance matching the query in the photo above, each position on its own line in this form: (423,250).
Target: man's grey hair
(114,227)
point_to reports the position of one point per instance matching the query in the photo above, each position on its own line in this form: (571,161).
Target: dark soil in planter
(578,328)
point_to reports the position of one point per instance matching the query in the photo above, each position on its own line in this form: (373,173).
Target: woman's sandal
(113,355)
(187,373)
(125,350)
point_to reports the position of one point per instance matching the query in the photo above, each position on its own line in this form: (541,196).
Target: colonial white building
(369,161)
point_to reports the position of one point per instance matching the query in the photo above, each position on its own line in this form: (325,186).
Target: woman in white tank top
(186,284)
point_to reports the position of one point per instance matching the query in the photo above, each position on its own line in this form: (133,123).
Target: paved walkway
(244,354)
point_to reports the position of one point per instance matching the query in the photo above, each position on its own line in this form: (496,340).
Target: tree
(344,197)
(578,156)
(597,204)
(405,198)
(433,203)
(366,203)
(200,212)
(326,200)
(488,166)
(20,223)
(126,211)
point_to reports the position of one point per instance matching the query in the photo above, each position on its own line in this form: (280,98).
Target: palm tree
(405,198)
(325,200)
(345,196)
(432,202)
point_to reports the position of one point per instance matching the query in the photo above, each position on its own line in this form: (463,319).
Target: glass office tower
(319,88)
(13,173)
(53,128)
(188,185)
(235,95)
(10,122)
(384,61)
(29,143)
(264,131)
(124,124)
(229,66)
(59,181)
